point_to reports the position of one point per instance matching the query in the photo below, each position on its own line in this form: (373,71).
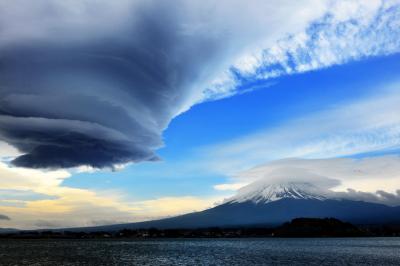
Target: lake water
(267,251)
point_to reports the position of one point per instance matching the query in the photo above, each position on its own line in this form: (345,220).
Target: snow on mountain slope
(262,192)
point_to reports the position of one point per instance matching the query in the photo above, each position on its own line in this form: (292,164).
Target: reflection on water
(356,251)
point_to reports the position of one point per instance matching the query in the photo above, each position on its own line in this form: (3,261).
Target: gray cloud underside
(4,217)
(379,196)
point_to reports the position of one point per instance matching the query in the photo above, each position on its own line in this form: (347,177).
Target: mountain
(263,204)
(8,230)
(261,192)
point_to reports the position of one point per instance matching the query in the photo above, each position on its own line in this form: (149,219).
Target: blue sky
(269,106)
(121,111)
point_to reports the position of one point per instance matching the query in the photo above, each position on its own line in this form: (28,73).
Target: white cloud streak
(367,125)
(350,30)
(231,186)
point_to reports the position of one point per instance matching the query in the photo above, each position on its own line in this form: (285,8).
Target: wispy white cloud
(7,151)
(169,206)
(367,125)
(229,186)
(350,30)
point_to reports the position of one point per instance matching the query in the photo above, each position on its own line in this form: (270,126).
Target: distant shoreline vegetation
(299,227)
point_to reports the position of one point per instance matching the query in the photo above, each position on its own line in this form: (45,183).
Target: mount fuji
(265,204)
(261,192)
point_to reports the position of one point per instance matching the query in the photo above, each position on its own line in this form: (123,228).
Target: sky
(123,111)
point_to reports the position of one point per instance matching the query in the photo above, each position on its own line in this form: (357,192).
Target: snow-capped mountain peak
(261,192)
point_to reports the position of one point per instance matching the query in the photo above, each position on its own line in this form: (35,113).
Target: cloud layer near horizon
(96,82)
(38,199)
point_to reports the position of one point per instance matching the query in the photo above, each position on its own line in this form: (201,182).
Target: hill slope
(273,213)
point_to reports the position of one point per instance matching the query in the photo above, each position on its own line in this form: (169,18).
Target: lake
(245,251)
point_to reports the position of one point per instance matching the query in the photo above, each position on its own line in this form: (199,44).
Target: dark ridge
(312,227)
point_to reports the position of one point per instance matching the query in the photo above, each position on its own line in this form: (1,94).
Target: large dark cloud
(98,101)
(96,82)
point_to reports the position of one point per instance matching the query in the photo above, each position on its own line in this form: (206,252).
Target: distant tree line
(299,227)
